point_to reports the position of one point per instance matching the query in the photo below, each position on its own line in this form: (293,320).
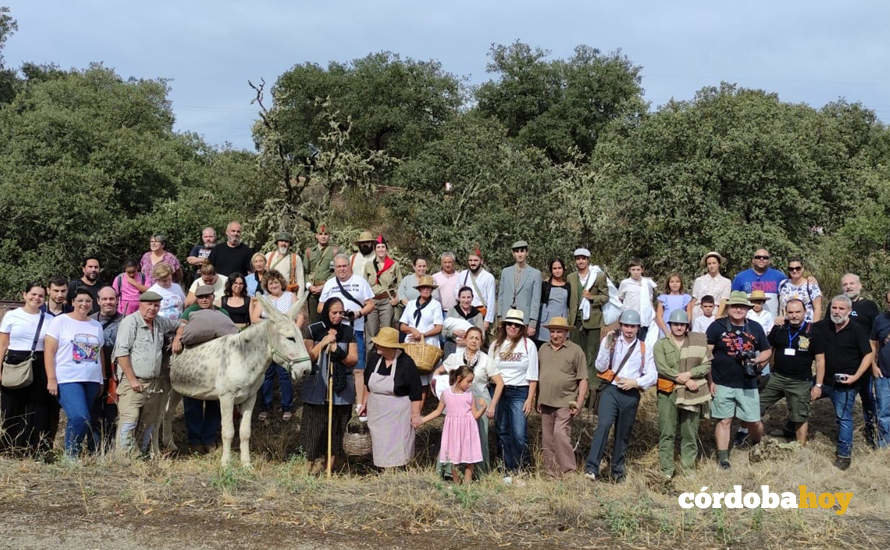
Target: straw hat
(365,237)
(559,322)
(714,254)
(757,296)
(388,337)
(426,280)
(514,316)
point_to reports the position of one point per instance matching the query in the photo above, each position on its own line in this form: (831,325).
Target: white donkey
(231,368)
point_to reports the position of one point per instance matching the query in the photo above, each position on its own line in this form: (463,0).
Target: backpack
(119,280)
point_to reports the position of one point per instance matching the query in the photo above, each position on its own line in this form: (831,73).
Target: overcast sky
(813,52)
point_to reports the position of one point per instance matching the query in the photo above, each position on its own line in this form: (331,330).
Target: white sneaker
(508,480)
(590,475)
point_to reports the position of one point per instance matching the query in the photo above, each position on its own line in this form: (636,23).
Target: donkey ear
(295,309)
(268,307)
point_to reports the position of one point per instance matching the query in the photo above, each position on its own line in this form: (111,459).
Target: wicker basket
(357,439)
(425,356)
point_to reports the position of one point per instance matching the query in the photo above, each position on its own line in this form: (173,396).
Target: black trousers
(619,408)
(30,414)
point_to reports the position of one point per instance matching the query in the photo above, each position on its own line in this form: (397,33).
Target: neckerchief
(473,312)
(387,263)
(417,311)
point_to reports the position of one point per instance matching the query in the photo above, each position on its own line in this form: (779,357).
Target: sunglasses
(761,257)
(798,268)
(513,325)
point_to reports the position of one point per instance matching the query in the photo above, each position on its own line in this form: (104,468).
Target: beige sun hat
(388,337)
(559,322)
(426,280)
(713,253)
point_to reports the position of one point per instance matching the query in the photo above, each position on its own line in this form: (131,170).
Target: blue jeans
(869,405)
(882,401)
(284,386)
(512,427)
(77,400)
(843,398)
(202,420)
(360,342)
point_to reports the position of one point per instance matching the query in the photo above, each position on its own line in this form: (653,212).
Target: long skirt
(314,430)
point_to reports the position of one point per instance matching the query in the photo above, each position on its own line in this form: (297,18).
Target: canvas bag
(21,374)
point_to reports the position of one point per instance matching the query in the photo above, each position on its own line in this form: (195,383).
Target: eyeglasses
(514,325)
(761,257)
(797,268)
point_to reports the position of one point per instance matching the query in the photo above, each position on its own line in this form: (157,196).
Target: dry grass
(414,508)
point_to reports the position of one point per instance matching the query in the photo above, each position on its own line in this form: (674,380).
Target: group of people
(518,343)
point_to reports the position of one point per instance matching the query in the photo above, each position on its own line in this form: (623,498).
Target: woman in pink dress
(460,435)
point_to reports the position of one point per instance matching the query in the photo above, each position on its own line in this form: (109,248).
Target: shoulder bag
(21,374)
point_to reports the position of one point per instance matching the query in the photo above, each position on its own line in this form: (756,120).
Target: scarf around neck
(418,310)
(473,312)
(387,263)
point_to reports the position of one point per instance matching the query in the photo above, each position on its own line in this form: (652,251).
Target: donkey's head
(285,340)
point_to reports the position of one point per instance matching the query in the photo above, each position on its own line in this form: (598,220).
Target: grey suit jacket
(526,297)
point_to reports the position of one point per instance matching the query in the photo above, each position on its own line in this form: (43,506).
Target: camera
(748,358)
(350,315)
(840,378)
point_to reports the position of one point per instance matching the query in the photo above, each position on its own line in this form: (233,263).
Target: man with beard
(105,414)
(201,252)
(232,256)
(57,297)
(89,281)
(847,356)
(319,268)
(483,284)
(286,262)
(863,314)
(365,254)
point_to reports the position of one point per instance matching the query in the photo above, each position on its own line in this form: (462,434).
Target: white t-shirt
(765,318)
(21,326)
(519,366)
(430,316)
(219,287)
(80,344)
(701,324)
(282,303)
(172,300)
(357,286)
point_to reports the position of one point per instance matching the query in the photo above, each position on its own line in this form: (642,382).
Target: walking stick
(330,410)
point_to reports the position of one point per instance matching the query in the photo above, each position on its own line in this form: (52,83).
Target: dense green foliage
(559,152)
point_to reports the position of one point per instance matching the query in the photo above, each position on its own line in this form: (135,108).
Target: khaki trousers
(138,412)
(379,317)
(556,440)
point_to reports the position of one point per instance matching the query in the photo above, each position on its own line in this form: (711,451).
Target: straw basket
(357,439)
(425,356)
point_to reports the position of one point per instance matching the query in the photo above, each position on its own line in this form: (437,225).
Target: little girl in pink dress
(460,435)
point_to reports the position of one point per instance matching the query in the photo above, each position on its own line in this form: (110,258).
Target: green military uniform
(319,266)
(587,333)
(681,404)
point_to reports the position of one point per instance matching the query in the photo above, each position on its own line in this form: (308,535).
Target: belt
(382,295)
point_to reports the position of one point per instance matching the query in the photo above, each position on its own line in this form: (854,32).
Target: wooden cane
(330,410)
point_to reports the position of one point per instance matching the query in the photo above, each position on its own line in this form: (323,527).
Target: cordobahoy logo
(766,499)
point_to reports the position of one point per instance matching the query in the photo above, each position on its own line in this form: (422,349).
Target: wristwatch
(819,386)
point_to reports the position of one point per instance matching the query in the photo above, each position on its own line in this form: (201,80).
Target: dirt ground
(190,502)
